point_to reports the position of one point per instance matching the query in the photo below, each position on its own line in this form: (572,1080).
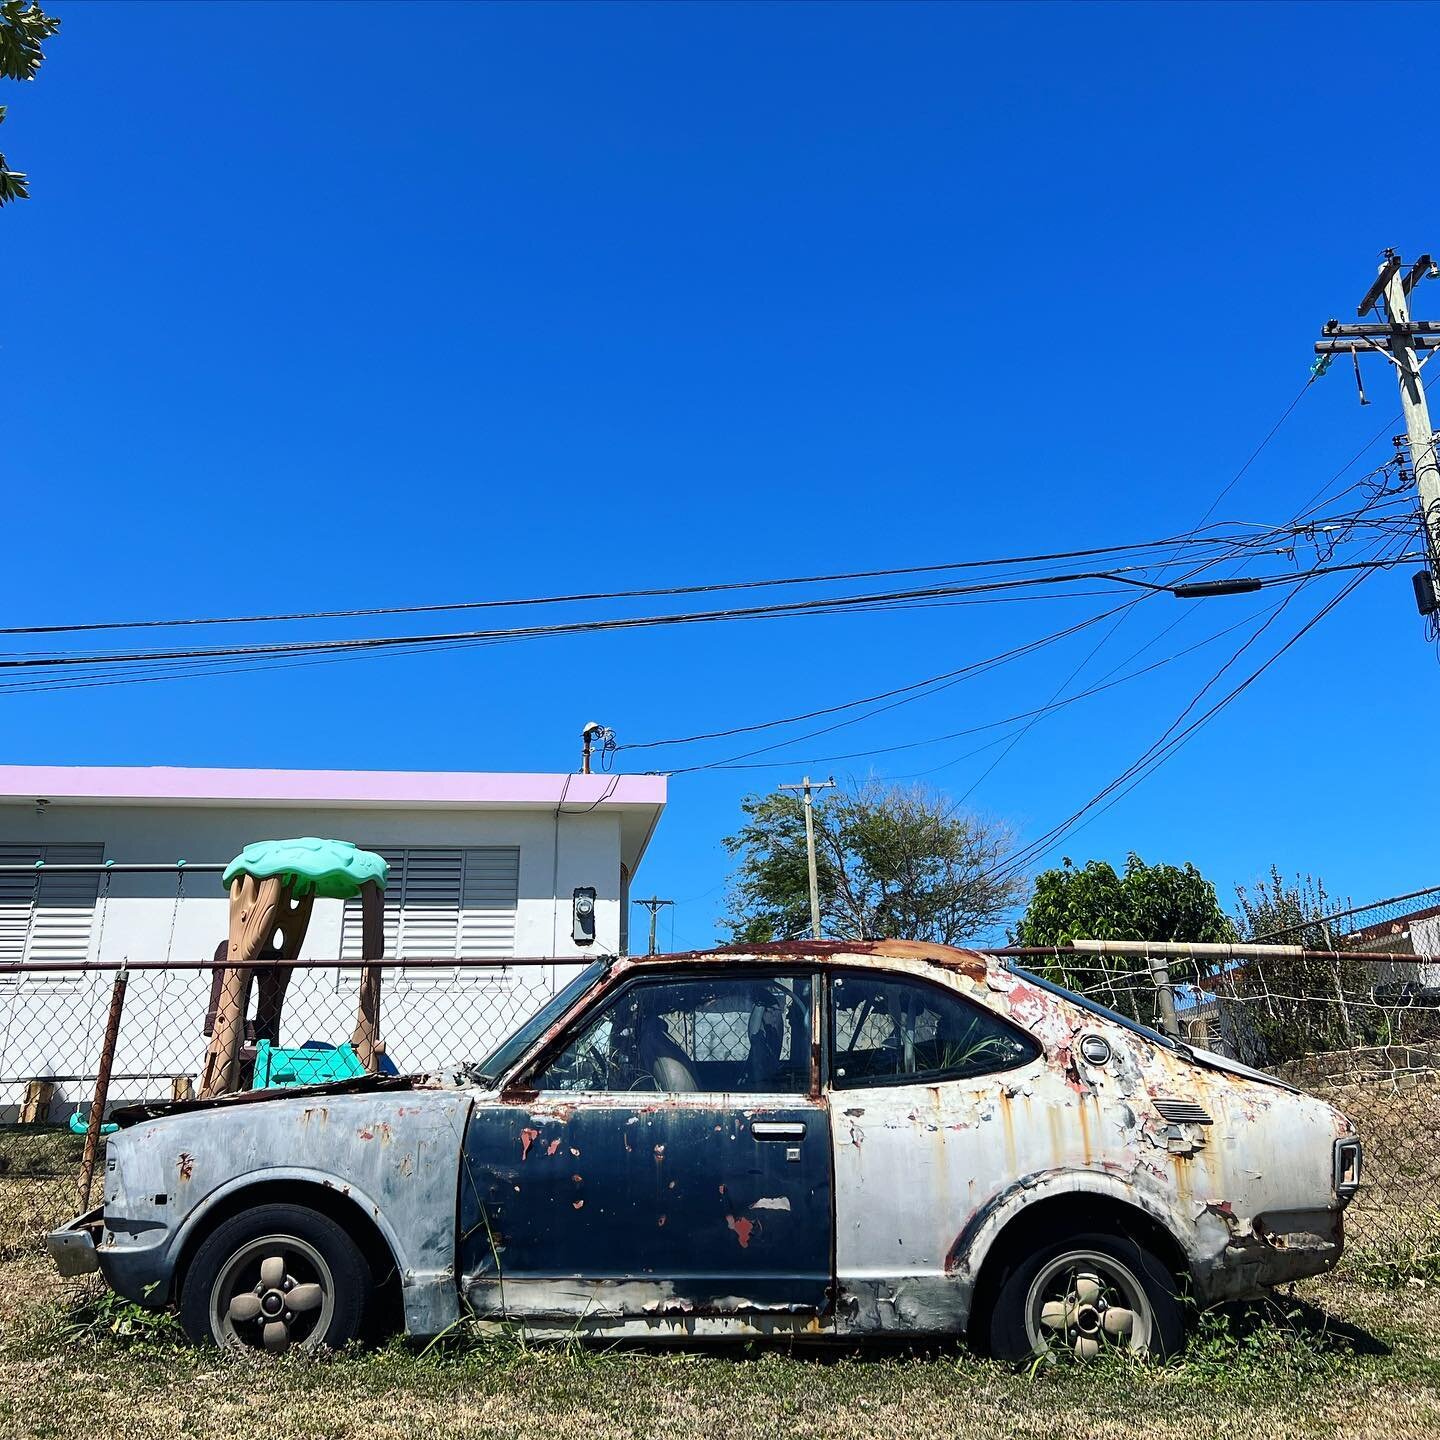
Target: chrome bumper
(72,1247)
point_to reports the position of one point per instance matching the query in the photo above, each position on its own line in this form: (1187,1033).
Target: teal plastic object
(80,1125)
(329,869)
(276,1068)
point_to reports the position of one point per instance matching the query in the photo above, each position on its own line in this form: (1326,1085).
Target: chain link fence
(1357,1022)
(434,1018)
(1351,1013)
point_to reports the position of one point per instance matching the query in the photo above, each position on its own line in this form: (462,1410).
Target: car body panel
(606,1213)
(632,1213)
(394,1155)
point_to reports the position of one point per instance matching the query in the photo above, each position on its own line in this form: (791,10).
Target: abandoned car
(805,1140)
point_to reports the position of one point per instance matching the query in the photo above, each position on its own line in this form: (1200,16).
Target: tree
(23,32)
(892,862)
(1297,1005)
(1146,902)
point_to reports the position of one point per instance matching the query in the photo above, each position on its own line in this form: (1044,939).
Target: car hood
(359,1085)
(1212,1061)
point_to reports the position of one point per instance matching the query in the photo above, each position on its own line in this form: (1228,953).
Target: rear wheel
(1084,1294)
(275,1277)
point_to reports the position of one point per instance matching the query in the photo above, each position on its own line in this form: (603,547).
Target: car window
(519,1041)
(745,1034)
(892,1030)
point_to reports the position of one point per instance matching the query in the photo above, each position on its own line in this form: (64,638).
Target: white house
(483,866)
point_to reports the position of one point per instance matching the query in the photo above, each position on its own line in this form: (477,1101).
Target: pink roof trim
(137,784)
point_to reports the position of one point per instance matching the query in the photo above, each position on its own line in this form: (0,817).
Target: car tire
(1054,1299)
(275,1277)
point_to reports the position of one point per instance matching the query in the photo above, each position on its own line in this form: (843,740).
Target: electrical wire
(830,605)
(1165,746)
(806,758)
(1127,547)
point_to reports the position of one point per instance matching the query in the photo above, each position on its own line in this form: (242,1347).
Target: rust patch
(742,1228)
(527,1138)
(185,1164)
(553,1147)
(577,1204)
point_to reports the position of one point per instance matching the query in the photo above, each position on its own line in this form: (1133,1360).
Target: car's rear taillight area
(1347,1169)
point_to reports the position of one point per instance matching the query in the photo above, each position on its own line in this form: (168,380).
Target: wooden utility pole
(1401,341)
(806,786)
(653,906)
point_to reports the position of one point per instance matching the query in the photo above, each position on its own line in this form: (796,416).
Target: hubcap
(273,1293)
(1084,1302)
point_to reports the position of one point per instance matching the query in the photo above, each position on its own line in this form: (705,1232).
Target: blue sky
(345,305)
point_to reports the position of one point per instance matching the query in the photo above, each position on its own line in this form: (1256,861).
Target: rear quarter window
(900,1030)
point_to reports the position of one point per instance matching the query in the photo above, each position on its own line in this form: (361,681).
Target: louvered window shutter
(491,892)
(444,902)
(17,902)
(48,916)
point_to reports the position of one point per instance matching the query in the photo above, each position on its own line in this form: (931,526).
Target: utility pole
(806,787)
(1401,341)
(653,906)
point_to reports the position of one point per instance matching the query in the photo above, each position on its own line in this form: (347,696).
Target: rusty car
(802,1140)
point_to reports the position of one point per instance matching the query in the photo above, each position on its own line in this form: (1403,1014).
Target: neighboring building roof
(639,799)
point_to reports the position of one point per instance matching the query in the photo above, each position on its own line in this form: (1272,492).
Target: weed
(101,1316)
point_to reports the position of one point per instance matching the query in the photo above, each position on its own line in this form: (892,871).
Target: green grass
(1357,1354)
(1344,1357)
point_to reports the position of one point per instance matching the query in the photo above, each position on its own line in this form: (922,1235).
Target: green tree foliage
(1296,1005)
(892,862)
(1145,902)
(23,32)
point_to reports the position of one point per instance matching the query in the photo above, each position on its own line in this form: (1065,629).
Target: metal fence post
(1164,999)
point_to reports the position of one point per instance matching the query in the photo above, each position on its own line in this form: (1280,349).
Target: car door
(920,1083)
(667,1166)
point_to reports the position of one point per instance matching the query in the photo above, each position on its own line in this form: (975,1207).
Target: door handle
(778,1129)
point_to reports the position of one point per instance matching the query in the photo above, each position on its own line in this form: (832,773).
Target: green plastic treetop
(328,869)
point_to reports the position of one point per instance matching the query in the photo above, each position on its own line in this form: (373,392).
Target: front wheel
(274,1277)
(1081,1295)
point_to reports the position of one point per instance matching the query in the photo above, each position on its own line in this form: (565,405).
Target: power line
(806,758)
(1169,741)
(829,605)
(597,595)
(932,684)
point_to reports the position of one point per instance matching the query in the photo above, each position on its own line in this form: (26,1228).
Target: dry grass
(1348,1360)
(1351,1361)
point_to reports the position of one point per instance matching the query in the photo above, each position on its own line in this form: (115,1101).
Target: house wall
(51,1027)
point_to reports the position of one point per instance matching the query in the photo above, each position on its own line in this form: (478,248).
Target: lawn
(1343,1358)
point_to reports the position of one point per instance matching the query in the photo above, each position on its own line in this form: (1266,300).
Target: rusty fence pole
(102,1089)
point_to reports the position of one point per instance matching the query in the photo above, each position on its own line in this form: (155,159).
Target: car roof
(829,952)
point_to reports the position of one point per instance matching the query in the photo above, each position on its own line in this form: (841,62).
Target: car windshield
(509,1050)
(1095,1009)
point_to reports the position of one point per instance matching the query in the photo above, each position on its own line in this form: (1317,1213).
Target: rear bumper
(72,1247)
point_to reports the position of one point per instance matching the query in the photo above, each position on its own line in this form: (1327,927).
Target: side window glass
(731,1033)
(887,1030)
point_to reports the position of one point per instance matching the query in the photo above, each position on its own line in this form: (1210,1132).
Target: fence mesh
(434,1019)
(1363,1033)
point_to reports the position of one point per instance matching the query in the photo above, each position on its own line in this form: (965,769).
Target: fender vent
(1183,1112)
